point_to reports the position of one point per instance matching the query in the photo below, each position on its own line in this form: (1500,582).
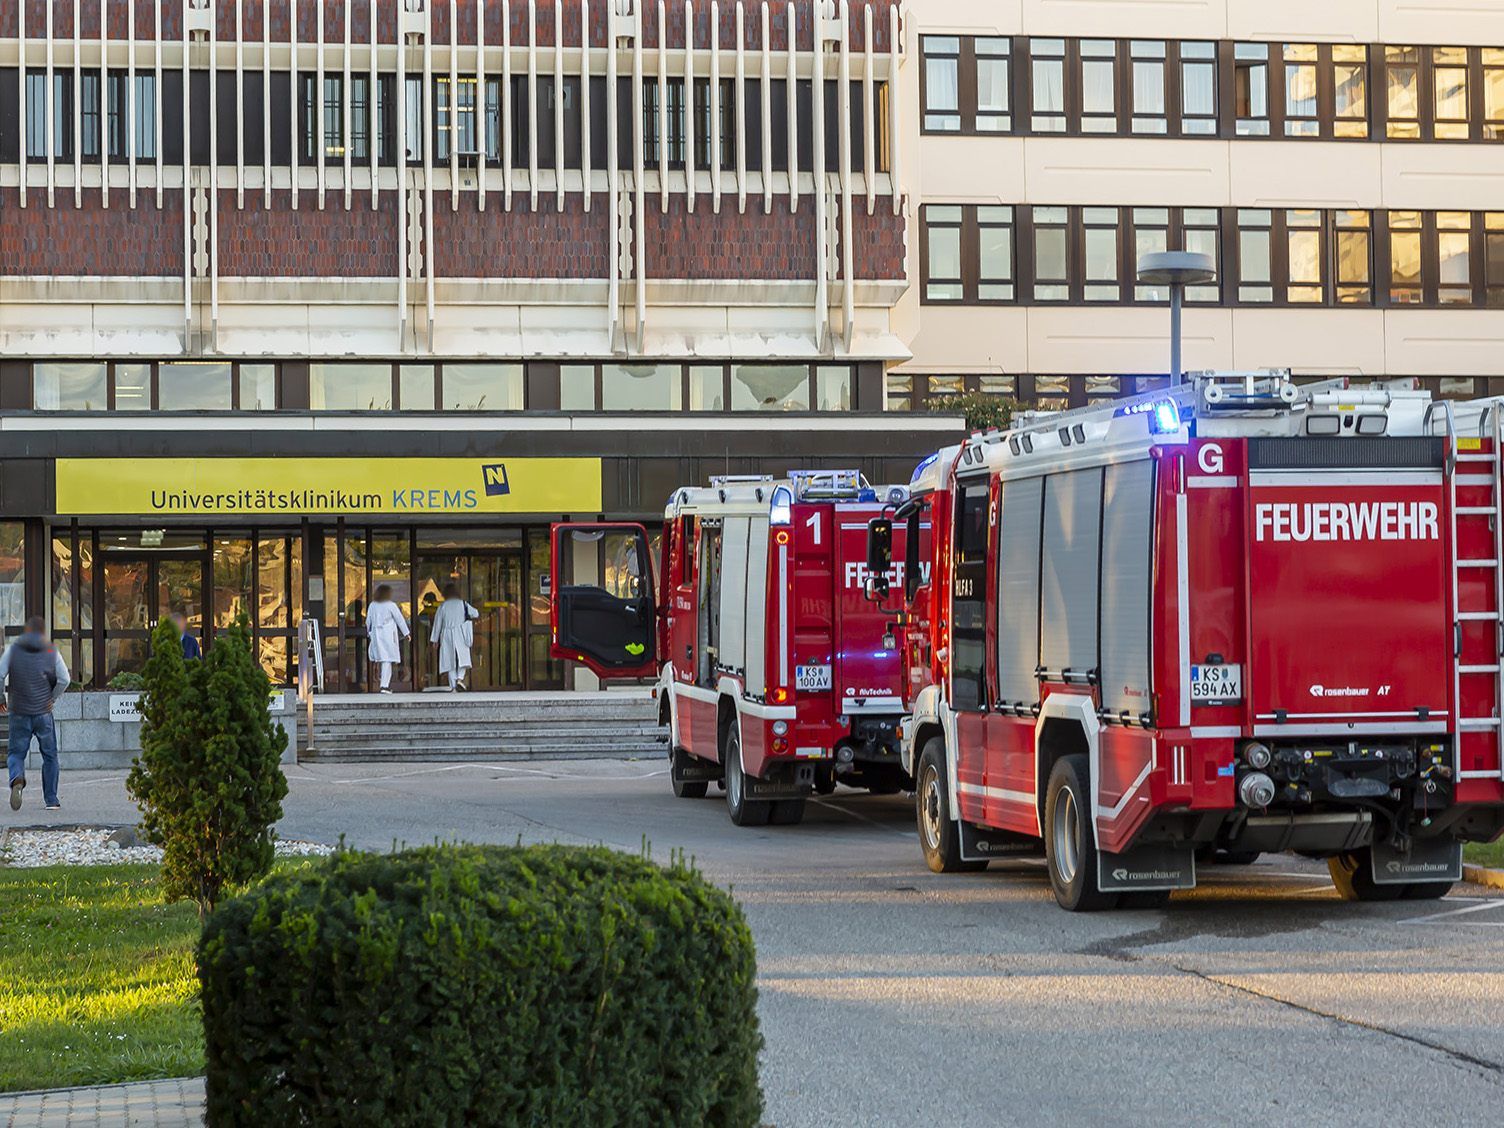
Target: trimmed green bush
(540,985)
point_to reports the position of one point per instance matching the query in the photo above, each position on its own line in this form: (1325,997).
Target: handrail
(1451,431)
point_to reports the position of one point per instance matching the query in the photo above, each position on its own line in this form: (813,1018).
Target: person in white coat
(385,628)
(453,636)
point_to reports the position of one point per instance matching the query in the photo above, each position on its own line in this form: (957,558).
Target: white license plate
(1216,685)
(811,678)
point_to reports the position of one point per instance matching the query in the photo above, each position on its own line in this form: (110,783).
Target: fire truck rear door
(1347,566)
(609,625)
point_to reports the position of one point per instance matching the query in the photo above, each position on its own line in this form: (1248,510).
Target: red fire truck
(775,675)
(1238,615)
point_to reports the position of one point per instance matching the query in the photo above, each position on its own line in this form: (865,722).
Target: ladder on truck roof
(1477,534)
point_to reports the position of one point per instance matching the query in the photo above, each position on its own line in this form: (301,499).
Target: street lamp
(1176,269)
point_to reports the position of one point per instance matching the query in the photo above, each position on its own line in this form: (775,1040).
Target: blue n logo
(495,476)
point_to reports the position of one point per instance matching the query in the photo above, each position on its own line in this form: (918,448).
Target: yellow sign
(165,487)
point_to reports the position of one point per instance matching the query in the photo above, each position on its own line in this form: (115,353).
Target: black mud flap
(802,783)
(692,768)
(1429,859)
(982,844)
(1147,868)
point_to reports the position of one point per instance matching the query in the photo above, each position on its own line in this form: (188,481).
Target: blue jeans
(22,729)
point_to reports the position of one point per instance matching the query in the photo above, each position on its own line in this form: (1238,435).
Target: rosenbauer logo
(1319,690)
(1346,521)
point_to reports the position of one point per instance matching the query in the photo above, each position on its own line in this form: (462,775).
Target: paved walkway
(178,1103)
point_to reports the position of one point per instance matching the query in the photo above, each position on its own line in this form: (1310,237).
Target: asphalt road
(893,996)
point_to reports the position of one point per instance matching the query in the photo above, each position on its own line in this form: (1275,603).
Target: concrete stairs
(360,728)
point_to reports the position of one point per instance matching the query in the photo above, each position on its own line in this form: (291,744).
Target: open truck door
(609,625)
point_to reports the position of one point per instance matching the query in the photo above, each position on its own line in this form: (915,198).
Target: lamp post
(1177,269)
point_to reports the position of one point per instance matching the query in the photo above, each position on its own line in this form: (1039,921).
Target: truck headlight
(780,727)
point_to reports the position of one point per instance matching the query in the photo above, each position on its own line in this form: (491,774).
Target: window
(88,123)
(36,115)
(1493,93)
(968,601)
(1255,245)
(1051,255)
(650,137)
(493,120)
(1151,235)
(333,107)
(413,130)
(577,387)
(415,387)
(1198,89)
(769,387)
(943,276)
(676,125)
(1069,586)
(832,387)
(899,389)
(942,83)
(360,117)
(350,387)
(1251,89)
(258,387)
(1301,114)
(1449,75)
(1099,108)
(1402,86)
(193,386)
(641,387)
(1493,259)
(482,387)
(1303,257)
(1201,233)
(995,254)
(1454,279)
(1100,245)
(1354,257)
(707,387)
(133,386)
(1047,71)
(146,117)
(69,387)
(1405,258)
(994,75)
(1350,86)
(1147,75)
(454,118)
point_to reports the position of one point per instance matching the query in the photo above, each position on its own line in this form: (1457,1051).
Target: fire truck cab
(775,676)
(1238,615)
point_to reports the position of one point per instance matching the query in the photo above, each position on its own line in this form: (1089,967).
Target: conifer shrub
(450,985)
(209,778)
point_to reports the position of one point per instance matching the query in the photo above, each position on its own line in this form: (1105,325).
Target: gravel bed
(98,846)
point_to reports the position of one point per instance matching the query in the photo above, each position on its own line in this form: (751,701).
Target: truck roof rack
(740,479)
(812,485)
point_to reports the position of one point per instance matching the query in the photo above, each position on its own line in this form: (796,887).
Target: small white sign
(124,707)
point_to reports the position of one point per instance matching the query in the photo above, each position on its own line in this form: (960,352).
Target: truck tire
(678,760)
(743,811)
(1237,857)
(786,812)
(939,832)
(1427,890)
(1070,848)
(1352,874)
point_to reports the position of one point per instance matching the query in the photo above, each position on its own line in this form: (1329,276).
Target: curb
(1482,875)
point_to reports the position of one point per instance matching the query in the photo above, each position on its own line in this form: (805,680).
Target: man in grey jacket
(34,675)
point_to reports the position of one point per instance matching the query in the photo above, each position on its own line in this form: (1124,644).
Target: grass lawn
(97,979)
(1485,853)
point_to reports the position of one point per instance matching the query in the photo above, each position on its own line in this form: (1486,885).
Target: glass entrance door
(138,591)
(491,582)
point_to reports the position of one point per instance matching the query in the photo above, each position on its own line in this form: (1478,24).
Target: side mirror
(879,556)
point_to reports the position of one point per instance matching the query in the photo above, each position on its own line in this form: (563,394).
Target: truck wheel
(1237,857)
(679,759)
(743,811)
(1427,890)
(1069,846)
(825,782)
(786,812)
(1352,874)
(939,832)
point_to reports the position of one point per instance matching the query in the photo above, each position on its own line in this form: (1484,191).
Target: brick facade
(91,240)
(547,243)
(706,246)
(258,242)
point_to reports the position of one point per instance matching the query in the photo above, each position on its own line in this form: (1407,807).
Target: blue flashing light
(1165,418)
(922,467)
(781,506)
(867,494)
